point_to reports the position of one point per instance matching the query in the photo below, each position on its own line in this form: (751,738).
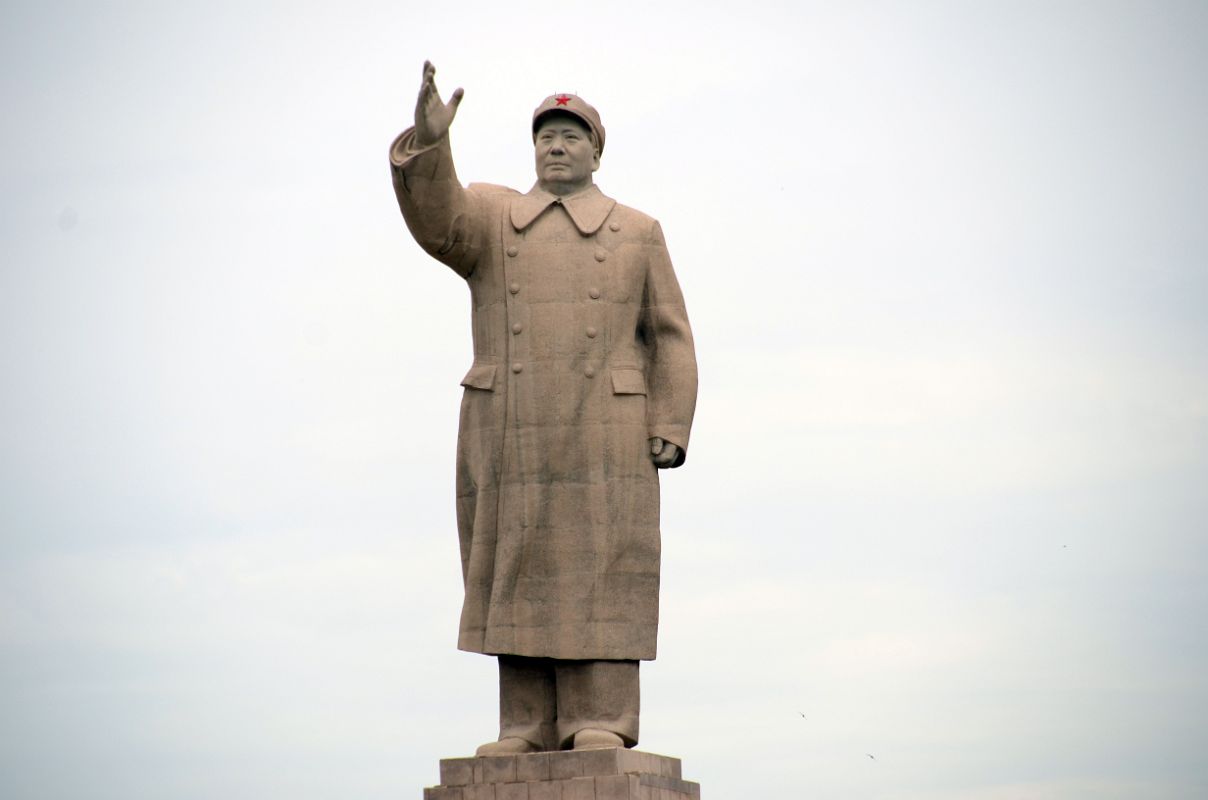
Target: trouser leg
(597,694)
(528,700)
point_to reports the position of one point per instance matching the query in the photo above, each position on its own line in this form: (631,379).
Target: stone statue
(583,386)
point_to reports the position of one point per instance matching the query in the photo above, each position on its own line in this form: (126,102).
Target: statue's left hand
(662,452)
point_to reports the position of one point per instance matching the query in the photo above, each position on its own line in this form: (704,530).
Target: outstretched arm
(444,218)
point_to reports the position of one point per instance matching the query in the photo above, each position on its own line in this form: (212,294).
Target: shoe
(596,739)
(507,746)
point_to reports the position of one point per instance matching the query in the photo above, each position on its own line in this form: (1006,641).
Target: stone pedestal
(612,774)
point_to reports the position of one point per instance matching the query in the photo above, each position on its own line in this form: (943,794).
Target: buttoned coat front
(582,352)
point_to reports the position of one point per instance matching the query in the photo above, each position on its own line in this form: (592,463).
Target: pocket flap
(480,376)
(628,381)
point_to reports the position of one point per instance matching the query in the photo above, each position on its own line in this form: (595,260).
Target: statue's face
(566,158)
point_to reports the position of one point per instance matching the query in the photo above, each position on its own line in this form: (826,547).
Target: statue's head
(568,138)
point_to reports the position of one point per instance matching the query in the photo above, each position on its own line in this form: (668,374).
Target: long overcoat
(582,352)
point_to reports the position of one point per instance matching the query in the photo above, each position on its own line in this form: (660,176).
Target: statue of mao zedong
(583,387)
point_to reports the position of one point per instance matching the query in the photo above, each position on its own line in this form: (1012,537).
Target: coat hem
(561,653)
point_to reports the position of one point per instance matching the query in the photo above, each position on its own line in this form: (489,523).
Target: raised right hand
(433,117)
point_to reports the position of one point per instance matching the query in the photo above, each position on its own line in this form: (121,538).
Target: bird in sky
(870,755)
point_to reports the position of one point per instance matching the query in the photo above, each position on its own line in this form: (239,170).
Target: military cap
(574,106)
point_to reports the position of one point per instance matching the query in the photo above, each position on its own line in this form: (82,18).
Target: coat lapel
(587,209)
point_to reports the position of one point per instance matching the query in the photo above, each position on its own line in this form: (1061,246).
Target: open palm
(432,116)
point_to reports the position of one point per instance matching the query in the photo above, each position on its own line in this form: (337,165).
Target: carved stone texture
(612,774)
(582,387)
(584,370)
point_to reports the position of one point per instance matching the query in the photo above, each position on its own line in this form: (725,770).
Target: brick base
(612,774)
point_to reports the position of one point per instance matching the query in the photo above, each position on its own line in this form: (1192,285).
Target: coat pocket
(480,376)
(628,381)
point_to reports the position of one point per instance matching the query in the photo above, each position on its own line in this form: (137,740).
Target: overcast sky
(947,266)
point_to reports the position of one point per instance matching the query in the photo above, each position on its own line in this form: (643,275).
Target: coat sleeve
(445,219)
(670,354)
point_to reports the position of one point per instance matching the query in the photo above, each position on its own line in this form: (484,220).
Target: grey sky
(947,265)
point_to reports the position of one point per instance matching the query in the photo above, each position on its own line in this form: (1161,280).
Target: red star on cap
(562,99)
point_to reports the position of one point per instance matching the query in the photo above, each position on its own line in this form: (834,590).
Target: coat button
(591,332)
(512,251)
(589,371)
(517,327)
(614,226)
(517,367)
(514,288)
(593,293)
(601,255)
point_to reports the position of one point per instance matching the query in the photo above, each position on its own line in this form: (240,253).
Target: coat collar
(588,208)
